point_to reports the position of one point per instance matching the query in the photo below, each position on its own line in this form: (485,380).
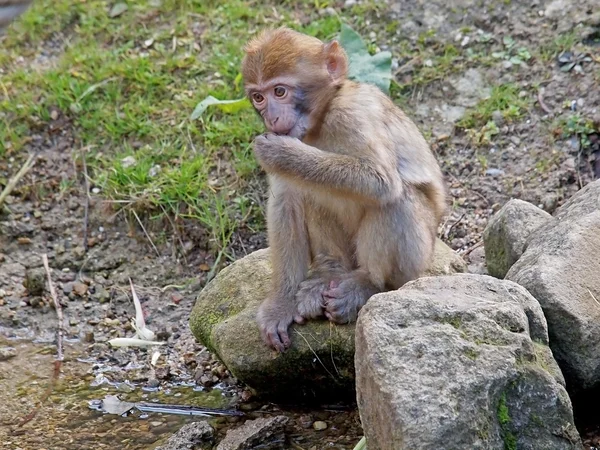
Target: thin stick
(315,353)
(468,252)
(14,180)
(146,233)
(177,236)
(58,308)
(543,105)
(447,233)
(593,297)
(87,203)
(59,349)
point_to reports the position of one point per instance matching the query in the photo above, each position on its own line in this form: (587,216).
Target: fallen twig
(14,180)
(468,252)
(543,105)
(146,233)
(447,233)
(87,203)
(58,308)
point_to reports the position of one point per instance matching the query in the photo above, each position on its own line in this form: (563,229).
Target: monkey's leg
(309,298)
(394,245)
(290,258)
(347,295)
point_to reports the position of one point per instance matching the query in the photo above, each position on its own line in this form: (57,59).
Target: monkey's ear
(336,60)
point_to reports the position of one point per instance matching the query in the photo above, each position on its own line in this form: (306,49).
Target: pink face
(280,105)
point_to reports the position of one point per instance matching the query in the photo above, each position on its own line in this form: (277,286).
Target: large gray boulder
(506,234)
(459,362)
(561,269)
(320,362)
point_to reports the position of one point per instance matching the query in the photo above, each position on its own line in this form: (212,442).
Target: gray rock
(471,88)
(506,234)
(320,362)
(195,435)
(7,353)
(561,269)
(459,362)
(35,281)
(263,433)
(100,294)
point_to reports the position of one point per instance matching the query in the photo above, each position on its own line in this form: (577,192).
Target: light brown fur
(357,195)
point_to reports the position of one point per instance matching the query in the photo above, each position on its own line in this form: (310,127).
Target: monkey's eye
(258,98)
(280,91)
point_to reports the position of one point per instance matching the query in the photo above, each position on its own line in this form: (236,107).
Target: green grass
(559,44)
(503,98)
(128,85)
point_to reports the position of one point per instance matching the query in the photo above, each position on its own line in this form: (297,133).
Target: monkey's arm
(291,158)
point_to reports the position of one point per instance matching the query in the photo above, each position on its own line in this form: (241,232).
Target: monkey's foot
(274,320)
(344,299)
(309,298)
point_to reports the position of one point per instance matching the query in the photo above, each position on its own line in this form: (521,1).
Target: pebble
(156,424)
(79,288)
(7,353)
(101,294)
(319,425)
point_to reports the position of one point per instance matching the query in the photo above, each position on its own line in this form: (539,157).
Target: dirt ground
(538,142)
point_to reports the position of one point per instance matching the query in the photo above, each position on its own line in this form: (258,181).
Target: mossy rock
(319,364)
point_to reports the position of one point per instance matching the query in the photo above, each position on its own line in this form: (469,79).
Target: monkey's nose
(273,122)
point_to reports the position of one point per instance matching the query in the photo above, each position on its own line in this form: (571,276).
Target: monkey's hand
(272,149)
(274,319)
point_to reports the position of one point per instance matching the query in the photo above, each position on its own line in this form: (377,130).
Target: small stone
(34,282)
(111,322)
(67,288)
(162,372)
(80,289)
(305,421)
(153,383)
(73,204)
(37,214)
(319,425)
(156,424)
(101,295)
(3,293)
(498,118)
(117,10)
(79,251)
(89,337)
(494,172)
(7,353)
(54,114)
(191,435)
(24,241)
(268,432)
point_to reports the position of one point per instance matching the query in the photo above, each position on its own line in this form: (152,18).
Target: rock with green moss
(561,269)
(320,362)
(506,234)
(460,362)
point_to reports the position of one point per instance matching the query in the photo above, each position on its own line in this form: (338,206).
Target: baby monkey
(356,195)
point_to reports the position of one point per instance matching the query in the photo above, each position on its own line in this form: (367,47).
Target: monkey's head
(291,77)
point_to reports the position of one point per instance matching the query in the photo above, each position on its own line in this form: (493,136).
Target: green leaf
(364,68)
(228,106)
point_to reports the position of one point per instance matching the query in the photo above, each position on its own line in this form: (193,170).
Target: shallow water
(65,420)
